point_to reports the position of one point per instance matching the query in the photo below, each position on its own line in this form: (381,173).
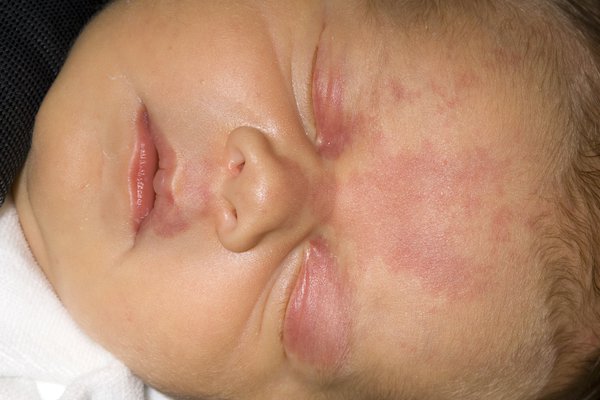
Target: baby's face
(286,199)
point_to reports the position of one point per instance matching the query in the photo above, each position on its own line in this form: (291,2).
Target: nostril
(227,219)
(236,161)
(261,191)
(236,168)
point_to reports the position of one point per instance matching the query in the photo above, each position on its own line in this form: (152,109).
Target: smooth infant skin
(289,200)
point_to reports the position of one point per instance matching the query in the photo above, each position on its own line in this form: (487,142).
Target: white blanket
(43,354)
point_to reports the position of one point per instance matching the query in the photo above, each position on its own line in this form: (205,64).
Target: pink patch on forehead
(501,225)
(401,94)
(413,211)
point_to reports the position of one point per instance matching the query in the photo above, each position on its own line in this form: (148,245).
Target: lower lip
(143,167)
(317,322)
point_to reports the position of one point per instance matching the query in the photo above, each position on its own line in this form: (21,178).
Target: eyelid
(311,88)
(309,118)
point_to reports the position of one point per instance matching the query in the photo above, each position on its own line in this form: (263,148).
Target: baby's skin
(293,200)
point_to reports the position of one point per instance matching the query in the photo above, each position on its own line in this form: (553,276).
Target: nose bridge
(265,191)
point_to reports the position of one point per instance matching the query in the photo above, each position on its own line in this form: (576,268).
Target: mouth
(142,170)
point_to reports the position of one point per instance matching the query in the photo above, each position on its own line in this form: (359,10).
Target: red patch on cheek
(413,211)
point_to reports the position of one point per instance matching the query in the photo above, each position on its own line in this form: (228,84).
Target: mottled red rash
(322,198)
(401,94)
(507,58)
(501,224)
(413,209)
(452,96)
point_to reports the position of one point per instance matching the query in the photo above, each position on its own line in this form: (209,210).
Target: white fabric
(43,354)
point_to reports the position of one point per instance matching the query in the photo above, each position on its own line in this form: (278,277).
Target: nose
(264,192)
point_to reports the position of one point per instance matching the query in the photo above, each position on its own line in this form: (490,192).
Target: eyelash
(311,88)
(309,120)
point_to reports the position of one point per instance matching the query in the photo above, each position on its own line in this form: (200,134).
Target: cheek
(160,310)
(422,213)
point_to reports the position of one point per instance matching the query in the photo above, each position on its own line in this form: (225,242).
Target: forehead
(442,148)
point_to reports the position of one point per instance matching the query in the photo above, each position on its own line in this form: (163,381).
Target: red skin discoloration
(334,126)
(317,323)
(424,213)
(501,226)
(401,94)
(165,219)
(507,58)
(412,211)
(453,93)
(322,198)
(183,193)
(196,180)
(194,199)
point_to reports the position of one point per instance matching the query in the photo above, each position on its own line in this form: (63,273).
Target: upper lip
(142,168)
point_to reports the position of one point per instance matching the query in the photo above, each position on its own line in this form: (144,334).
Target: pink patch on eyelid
(334,127)
(317,321)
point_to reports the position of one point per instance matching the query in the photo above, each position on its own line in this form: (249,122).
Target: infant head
(265,199)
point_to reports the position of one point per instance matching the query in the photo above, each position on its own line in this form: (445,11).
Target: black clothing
(35,37)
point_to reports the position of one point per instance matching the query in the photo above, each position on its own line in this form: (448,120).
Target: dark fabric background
(35,36)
